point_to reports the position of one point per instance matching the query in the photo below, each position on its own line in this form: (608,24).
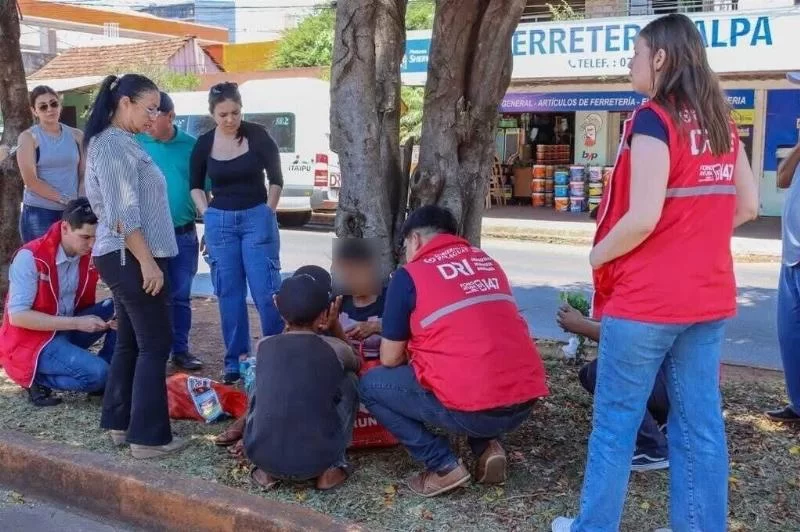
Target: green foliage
(581,303)
(576,300)
(411,122)
(309,44)
(419,14)
(563,11)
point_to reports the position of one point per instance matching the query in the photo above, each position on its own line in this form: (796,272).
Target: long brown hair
(687,82)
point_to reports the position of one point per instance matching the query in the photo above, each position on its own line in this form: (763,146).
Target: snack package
(203,399)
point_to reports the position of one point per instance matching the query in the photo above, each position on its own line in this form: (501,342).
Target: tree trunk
(469,71)
(17,118)
(365,120)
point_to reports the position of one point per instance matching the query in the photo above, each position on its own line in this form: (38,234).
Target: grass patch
(546,464)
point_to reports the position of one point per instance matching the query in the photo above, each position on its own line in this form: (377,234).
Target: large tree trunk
(365,120)
(469,71)
(17,117)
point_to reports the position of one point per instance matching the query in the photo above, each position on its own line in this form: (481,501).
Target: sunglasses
(226,86)
(52,105)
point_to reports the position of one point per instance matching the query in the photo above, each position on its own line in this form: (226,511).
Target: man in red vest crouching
(50,317)
(456,354)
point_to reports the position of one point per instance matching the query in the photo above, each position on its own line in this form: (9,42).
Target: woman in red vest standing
(664,281)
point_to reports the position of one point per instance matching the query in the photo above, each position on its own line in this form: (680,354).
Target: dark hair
(354,250)
(78,213)
(41,90)
(432,218)
(223,92)
(301,300)
(687,83)
(112,90)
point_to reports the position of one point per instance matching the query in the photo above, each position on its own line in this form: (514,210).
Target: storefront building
(570,87)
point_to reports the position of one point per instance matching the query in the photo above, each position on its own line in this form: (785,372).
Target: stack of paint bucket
(537,185)
(561,189)
(595,186)
(577,188)
(549,184)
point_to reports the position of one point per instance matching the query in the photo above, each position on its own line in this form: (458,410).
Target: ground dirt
(547,457)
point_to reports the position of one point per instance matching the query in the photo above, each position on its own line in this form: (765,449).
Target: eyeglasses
(225,86)
(152,112)
(54,104)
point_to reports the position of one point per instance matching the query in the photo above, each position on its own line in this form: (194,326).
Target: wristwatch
(64,200)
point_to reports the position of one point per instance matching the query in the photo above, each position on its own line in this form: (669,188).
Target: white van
(296,112)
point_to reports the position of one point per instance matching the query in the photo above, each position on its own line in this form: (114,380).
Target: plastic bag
(202,399)
(247,369)
(367,432)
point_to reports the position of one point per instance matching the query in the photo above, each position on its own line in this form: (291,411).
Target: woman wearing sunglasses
(51,161)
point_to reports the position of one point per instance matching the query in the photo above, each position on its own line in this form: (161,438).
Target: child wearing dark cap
(305,397)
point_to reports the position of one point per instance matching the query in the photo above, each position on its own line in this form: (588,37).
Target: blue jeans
(181,270)
(244,249)
(35,221)
(66,364)
(649,440)
(631,354)
(399,403)
(789,331)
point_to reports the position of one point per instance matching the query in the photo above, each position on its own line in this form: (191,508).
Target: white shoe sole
(652,466)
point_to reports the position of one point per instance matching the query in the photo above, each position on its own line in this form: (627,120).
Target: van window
(280,127)
(195,125)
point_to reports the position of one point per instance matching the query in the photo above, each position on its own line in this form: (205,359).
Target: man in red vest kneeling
(50,317)
(456,354)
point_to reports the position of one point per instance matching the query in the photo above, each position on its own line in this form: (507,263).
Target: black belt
(182,230)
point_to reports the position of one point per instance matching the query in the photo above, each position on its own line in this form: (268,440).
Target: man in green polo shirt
(171,149)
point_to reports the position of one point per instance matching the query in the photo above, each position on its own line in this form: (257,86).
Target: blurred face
(47,108)
(228,116)
(77,242)
(357,278)
(645,66)
(139,113)
(162,128)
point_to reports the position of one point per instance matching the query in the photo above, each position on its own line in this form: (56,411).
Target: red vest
(469,344)
(20,348)
(683,272)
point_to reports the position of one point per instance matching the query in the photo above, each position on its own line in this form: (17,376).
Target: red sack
(367,432)
(182,406)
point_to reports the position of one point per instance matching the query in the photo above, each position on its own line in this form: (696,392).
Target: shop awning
(67,84)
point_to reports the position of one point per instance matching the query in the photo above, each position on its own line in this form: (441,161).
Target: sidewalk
(759,238)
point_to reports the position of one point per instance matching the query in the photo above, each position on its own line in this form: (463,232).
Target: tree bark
(365,120)
(469,71)
(17,117)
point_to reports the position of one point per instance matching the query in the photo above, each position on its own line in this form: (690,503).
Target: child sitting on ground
(357,277)
(651,443)
(305,396)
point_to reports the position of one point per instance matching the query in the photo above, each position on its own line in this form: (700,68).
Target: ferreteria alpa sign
(735,42)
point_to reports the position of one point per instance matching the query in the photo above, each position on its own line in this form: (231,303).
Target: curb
(144,495)
(580,238)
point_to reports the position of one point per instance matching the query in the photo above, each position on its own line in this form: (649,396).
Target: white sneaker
(561,524)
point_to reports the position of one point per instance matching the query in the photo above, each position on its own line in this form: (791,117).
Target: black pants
(136,391)
(649,439)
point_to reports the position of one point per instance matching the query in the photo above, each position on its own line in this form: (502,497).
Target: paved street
(22,514)
(539,272)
